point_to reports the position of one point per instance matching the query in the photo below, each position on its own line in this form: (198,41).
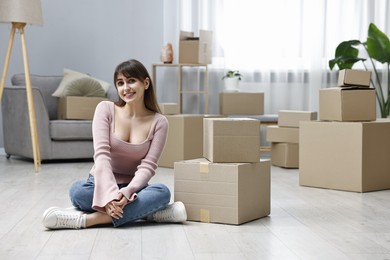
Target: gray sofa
(58,139)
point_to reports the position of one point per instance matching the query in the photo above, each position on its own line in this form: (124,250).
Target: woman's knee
(80,194)
(163,191)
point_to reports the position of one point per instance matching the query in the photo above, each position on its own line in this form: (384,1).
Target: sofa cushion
(62,130)
(71,75)
(46,84)
(85,87)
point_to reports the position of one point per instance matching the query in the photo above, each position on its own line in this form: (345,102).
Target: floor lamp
(20,13)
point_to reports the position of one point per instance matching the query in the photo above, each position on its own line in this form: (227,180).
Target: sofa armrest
(16,122)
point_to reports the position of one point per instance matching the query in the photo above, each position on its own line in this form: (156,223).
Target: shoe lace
(69,220)
(164,215)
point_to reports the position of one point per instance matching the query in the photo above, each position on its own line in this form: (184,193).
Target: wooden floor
(305,223)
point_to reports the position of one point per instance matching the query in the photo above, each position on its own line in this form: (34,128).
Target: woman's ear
(147,83)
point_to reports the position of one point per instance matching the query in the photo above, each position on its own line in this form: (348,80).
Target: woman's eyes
(129,81)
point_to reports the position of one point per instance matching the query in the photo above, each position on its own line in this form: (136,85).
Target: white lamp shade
(22,11)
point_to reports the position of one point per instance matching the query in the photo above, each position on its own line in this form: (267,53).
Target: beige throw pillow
(71,75)
(85,87)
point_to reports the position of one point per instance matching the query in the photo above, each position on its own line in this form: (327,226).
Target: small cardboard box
(231,140)
(169,108)
(347,104)
(184,140)
(291,118)
(349,156)
(72,107)
(349,77)
(285,155)
(195,50)
(241,103)
(279,134)
(229,193)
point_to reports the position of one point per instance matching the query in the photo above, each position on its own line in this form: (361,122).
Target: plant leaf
(378,44)
(346,55)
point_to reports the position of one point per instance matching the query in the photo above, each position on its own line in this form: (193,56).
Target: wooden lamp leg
(30,98)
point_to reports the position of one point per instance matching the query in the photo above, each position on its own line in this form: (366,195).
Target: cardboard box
(349,156)
(195,50)
(285,155)
(184,140)
(231,140)
(229,193)
(279,134)
(347,104)
(291,118)
(72,107)
(241,103)
(349,77)
(169,108)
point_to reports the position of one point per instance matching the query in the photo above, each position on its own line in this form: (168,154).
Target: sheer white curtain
(282,47)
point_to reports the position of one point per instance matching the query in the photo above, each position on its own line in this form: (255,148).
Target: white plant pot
(231,84)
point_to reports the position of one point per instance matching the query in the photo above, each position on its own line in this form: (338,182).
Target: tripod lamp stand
(20,13)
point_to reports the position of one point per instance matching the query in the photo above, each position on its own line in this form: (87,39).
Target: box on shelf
(350,77)
(72,107)
(195,50)
(241,103)
(349,156)
(285,155)
(347,104)
(279,134)
(291,118)
(231,140)
(229,193)
(169,108)
(184,140)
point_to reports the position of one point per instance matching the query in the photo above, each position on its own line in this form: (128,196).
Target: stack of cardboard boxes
(284,137)
(229,184)
(348,148)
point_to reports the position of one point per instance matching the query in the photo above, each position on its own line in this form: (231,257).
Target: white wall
(91,36)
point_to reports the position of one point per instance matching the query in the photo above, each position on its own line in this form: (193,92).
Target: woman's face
(131,89)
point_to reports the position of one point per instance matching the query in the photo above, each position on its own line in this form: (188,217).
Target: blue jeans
(150,199)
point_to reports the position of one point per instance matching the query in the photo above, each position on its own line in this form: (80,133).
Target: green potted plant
(377,48)
(231,80)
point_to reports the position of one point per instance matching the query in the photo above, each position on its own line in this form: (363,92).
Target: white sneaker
(175,212)
(58,218)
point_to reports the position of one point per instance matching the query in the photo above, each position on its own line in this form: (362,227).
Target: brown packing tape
(204,215)
(204,167)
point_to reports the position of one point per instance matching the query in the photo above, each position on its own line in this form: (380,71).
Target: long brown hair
(135,69)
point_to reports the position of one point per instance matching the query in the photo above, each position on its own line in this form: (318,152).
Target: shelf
(180,91)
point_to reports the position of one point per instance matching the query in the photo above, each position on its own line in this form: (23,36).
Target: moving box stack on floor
(348,148)
(229,184)
(284,137)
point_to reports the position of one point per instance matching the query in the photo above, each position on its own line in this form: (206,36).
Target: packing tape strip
(204,167)
(204,215)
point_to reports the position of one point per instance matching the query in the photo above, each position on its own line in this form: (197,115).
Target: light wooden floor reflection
(305,223)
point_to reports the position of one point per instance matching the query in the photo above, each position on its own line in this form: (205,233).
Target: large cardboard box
(291,118)
(241,103)
(72,107)
(285,155)
(231,140)
(169,108)
(279,134)
(229,193)
(347,104)
(350,156)
(349,77)
(195,50)
(184,140)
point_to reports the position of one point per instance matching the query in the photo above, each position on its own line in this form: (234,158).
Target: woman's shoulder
(105,105)
(160,118)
